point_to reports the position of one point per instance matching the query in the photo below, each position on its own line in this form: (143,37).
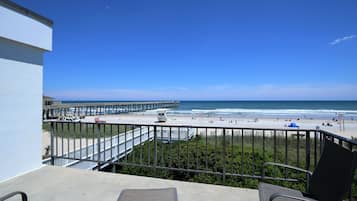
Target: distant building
(24,37)
(47,100)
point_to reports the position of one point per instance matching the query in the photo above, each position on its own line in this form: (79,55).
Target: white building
(24,37)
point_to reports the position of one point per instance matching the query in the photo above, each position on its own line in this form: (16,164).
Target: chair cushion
(162,194)
(333,174)
(266,190)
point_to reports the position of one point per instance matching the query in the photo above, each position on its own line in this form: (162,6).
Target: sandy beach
(350,126)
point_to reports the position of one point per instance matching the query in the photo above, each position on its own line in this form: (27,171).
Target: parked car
(71,119)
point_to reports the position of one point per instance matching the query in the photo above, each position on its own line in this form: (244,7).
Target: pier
(101,108)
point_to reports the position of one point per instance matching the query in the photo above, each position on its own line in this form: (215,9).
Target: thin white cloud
(259,92)
(339,40)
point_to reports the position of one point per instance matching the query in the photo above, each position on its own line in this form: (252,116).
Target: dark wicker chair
(160,194)
(13,194)
(330,181)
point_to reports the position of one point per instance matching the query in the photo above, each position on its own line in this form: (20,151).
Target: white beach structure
(24,37)
(161,115)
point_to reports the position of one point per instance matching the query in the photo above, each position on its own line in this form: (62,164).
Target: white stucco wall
(20,113)
(23,41)
(20,28)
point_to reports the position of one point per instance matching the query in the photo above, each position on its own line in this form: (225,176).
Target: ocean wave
(243,111)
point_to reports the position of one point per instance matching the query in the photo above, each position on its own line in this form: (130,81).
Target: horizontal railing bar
(69,105)
(207,172)
(214,127)
(186,126)
(338,137)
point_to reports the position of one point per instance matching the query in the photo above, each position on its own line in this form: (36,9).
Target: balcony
(232,158)
(66,184)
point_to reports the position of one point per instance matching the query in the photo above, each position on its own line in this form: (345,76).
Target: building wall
(23,39)
(20,108)
(23,29)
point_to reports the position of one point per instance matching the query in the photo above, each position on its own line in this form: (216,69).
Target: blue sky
(201,49)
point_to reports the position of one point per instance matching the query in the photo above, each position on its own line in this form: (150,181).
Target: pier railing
(228,153)
(102,108)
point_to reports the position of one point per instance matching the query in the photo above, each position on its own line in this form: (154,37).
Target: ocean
(273,109)
(270,109)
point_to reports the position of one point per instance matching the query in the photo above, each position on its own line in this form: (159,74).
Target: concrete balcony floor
(65,184)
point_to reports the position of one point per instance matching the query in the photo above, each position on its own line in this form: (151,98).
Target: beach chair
(161,194)
(13,194)
(330,181)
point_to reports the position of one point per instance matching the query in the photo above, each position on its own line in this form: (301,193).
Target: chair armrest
(10,195)
(276,195)
(286,166)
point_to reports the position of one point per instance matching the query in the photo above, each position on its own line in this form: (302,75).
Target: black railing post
(155,149)
(307,159)
(52,145)
(315,148)
(98,146)
(114,168)
(224,156)
(350,147)
(322,142)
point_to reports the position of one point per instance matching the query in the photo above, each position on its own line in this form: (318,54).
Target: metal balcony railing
(221,151)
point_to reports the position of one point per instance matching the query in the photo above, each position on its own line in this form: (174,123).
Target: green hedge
(193,155)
